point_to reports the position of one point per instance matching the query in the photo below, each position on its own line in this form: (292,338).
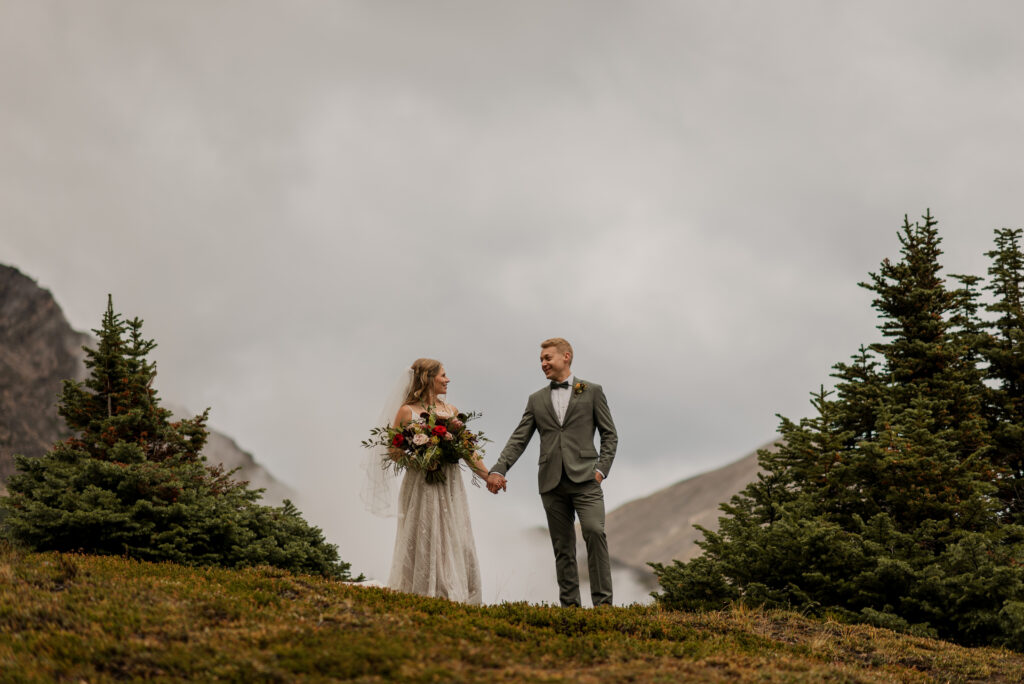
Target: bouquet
(428,444)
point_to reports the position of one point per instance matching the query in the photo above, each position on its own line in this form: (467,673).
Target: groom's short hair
(559,343)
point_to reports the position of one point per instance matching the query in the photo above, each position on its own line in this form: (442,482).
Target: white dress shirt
(560,399)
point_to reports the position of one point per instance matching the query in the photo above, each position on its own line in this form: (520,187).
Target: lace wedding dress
(435,554)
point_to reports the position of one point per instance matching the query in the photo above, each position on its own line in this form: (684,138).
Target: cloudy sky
(300,198)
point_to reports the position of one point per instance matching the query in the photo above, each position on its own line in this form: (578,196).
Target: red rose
(398,440)
(440,430)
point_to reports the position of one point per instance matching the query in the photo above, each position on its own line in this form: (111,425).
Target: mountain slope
(660,527)
(38,349)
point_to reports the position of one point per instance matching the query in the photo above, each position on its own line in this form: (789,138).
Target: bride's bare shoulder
(404,415)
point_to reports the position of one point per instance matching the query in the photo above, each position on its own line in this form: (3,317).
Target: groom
(566,413)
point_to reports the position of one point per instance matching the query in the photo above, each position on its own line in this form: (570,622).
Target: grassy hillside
(85,618)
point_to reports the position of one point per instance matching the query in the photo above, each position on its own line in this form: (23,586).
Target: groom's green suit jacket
(569,444)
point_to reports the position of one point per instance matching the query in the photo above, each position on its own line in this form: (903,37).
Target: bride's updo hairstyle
(423,373)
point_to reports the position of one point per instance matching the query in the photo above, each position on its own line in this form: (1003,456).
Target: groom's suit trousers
(561,505)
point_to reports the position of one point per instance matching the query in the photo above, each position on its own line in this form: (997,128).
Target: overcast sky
(300,198)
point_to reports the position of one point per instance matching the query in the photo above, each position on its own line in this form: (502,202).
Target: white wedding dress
(435,554)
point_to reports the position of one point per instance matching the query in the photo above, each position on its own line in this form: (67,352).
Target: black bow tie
(559,385)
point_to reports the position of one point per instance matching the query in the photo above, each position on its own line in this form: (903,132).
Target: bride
(435,554)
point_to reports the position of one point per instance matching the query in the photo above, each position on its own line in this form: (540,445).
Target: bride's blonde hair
(423,373)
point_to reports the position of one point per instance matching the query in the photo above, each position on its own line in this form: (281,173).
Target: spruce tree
(130,481)
(1004,352)
(930,453)
(882,508)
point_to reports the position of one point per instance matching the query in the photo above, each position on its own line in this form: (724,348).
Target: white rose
(420,439)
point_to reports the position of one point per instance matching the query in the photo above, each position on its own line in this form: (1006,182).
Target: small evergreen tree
(130,481)
(883,508)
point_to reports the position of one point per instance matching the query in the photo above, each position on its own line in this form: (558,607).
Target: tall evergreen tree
(130,481)
(935,390)
(1004,352)
(927,354)
(882,508)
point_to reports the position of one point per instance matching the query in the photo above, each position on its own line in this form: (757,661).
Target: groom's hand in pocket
(598,476)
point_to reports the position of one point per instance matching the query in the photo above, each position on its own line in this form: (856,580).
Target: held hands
(496,483)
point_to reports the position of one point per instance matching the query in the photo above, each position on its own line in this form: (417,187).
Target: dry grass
(93,619)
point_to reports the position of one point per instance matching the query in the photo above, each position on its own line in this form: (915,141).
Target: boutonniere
(579,387)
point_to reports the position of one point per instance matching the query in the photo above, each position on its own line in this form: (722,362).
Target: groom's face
(554,363)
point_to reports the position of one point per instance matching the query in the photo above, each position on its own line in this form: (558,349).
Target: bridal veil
(378,492)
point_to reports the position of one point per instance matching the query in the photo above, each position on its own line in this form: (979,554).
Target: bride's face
(441,382)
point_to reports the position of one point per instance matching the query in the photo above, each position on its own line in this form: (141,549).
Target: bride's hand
(496,483)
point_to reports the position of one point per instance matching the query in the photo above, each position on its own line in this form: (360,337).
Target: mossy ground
(88,618)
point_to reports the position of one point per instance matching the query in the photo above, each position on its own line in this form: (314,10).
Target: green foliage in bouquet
(132,482)
(900,502)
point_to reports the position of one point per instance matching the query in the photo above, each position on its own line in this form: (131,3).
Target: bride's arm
(479,468)
(403,416)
